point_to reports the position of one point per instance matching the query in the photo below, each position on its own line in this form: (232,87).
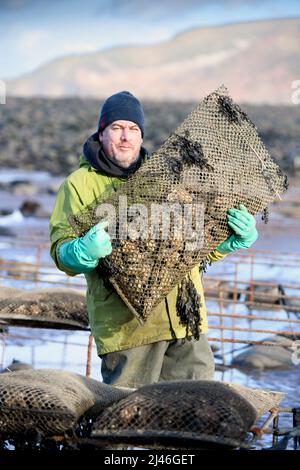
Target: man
(132,354)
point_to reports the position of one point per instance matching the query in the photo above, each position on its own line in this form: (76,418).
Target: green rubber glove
(243,225)
(83,253)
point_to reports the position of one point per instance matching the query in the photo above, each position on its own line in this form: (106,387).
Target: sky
(34,32)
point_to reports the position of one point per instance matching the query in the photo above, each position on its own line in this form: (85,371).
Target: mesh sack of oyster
(50,401)
(58,308)
(172,212)
(172,413)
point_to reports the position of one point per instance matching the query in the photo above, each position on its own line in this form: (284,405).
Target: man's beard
(124,164)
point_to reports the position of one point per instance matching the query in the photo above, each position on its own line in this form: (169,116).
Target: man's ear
(100,136)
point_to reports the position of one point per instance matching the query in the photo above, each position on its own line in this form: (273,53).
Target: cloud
(32,39)
(36,31)
(165,8)
(14,4)
(77,47)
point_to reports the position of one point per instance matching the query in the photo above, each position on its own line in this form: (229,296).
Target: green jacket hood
(83,161)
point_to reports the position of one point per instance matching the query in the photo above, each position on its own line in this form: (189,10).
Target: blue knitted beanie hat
(122,106)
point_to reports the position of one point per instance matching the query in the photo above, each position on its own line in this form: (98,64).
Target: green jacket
(113,326)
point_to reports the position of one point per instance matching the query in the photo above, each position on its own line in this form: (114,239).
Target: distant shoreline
(41,134)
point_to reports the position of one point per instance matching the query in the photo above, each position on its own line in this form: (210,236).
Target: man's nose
(125,134)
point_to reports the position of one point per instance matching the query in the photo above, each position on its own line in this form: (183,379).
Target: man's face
(122,142)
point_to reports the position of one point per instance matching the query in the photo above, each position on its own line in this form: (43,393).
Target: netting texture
(261,400)
(177,411)
(49,401)
(45,308)
(211,163)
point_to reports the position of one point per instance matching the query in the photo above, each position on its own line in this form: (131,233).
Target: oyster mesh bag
(185,412)
(44,308)
(211,163)
(50,401)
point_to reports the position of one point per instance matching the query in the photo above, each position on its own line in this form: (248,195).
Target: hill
(257,61)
